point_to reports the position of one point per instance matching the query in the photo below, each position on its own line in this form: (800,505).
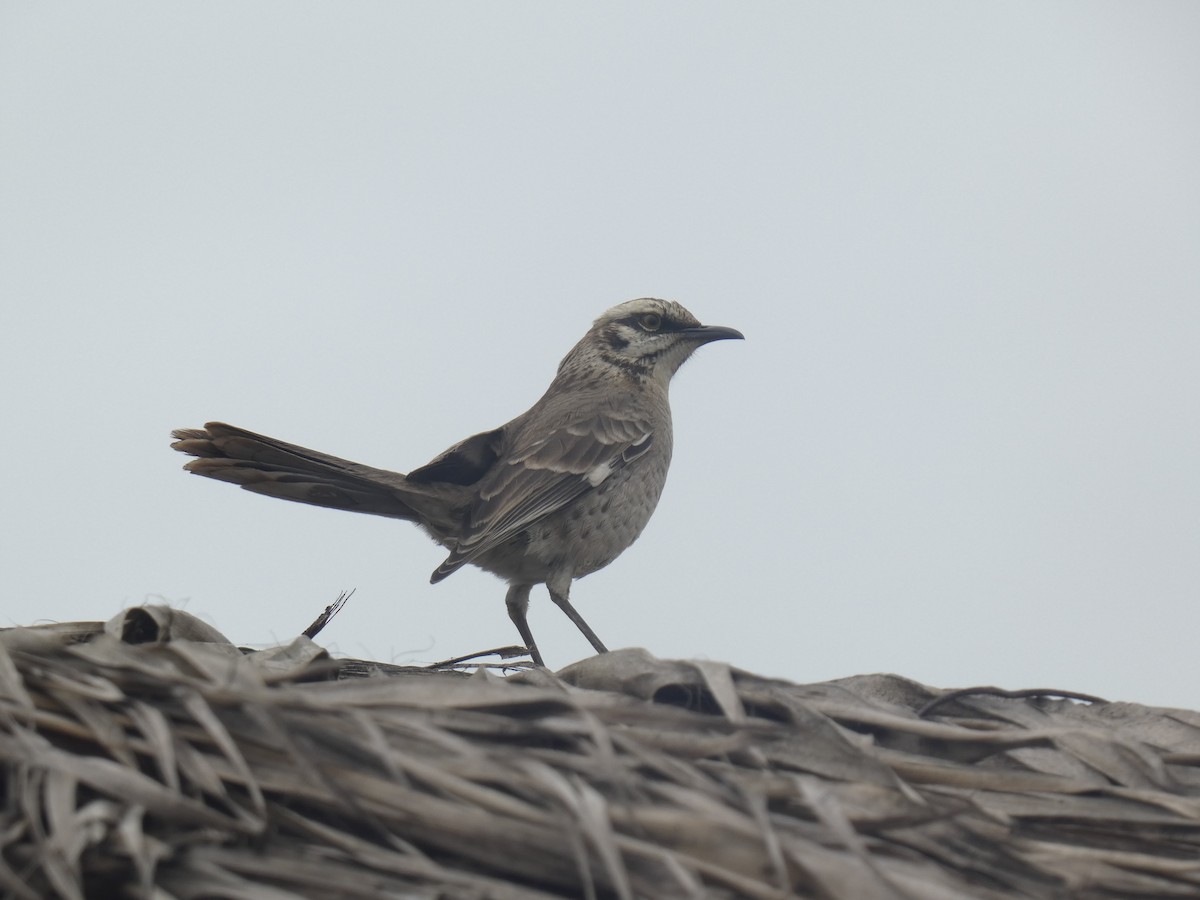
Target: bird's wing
(544,475)
(465,463)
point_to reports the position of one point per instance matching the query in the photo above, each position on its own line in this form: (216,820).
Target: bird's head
(646,338)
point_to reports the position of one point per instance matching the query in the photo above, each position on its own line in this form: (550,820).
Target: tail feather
(277,469)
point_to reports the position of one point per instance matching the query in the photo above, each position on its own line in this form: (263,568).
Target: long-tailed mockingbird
(555,494)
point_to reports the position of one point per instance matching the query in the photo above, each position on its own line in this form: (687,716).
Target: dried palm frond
(183,768)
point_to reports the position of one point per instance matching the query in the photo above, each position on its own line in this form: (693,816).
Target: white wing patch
(597,474)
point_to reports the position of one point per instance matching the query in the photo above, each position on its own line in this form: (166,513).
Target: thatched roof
(181,768)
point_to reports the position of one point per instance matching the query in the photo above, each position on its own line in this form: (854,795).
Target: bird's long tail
(277,469)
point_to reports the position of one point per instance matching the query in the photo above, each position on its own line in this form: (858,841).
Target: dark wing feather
(464,463)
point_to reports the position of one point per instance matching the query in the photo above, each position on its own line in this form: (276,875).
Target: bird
(555,494)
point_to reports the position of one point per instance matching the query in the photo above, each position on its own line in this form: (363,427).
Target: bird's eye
(650,321)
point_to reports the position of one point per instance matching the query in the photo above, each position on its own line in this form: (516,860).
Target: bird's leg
(517,601)
(560,590)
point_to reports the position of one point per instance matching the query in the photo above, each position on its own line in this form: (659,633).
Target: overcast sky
(961,441)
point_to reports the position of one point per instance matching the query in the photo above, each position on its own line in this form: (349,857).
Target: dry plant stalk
(186,769)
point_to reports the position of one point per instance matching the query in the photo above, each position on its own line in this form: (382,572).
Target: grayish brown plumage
(557,493)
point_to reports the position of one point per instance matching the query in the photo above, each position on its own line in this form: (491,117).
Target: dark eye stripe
(664,324)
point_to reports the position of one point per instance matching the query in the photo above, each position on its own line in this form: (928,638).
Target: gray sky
(961,441)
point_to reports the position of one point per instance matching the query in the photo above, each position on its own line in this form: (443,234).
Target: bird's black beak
(705,334)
